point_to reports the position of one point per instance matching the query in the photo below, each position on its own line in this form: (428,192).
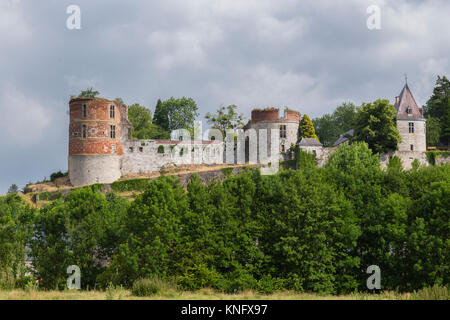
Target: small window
(161,149)
(409,110)
(83,111)
(141,149)
(130,149)
(112,132)
(112,112)
(282,148)
(84,131)
(282,131)
(412,147)
(180,138)
(411,127)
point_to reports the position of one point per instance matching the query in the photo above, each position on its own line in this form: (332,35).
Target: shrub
(145,287)
(227,171)
(57,175)
(268,285)
(435,292)
(197,277)
(130,185)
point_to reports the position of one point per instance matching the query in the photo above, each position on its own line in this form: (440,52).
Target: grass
(118,293)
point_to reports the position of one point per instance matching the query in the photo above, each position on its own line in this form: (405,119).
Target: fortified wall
(101,149)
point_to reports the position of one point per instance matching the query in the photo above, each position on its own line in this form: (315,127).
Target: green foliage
(16,220)
(56,175)
(130,185)
(306,128)
(438,106)
(433,131)
(435,292)
(89,93)
(143,128)
(146,287)
(72,231)
(161,116)
(161,149)
(227,171)
(330,126)
(304,160)
(313,229)
(13,189)
(225,118)
(432,156)
(395,164)
(375,124)
(175,114)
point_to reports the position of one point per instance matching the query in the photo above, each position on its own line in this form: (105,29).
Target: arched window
(161,149)
(112,112)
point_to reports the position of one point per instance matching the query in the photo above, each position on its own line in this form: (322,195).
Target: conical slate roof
(406,101)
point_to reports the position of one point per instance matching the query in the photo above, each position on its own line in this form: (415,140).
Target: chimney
(397,100)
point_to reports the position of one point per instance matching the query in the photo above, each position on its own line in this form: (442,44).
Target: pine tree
(307,128)
(161,117)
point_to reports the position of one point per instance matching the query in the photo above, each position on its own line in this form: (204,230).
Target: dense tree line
(312,229)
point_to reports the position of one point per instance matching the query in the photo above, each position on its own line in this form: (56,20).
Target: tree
(375,123)
(13,189)
(89,93)
(71,232)
(175,114)
(438,106)
(433,131)
(306,128)
(16,226)
(330,126)
(161,116)
(225,118)
(143,128)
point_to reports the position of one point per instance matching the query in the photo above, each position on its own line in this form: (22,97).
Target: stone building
(411,125)
(101,149)
(271,118)
(410,122)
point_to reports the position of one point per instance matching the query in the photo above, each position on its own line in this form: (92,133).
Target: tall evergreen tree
(161,116)
(307,128)
(438,106)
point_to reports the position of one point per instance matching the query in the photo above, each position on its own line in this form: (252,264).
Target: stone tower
(410,122)
(97,129)
(271,118)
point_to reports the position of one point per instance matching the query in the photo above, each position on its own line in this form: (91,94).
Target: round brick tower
(95,140)
(273,118)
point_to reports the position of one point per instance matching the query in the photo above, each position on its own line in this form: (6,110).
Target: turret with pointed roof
(411,123)
(406,105)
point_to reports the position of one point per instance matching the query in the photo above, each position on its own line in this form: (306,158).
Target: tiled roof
(344,137)
(406,101)
(309,142)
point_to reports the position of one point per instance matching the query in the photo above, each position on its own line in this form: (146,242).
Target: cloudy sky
(308,55)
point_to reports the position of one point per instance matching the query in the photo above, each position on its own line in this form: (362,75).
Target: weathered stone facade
(270,118)
(412,128)
(101,149)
